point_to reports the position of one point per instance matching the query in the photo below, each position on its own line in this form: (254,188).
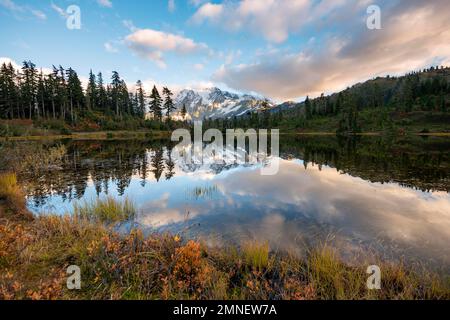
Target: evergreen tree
(308,111)
(170,165)
(62,92)
(266,114)
(91,92)
(125,102)
(136,104)
(183,112)
(9,92)
(102,98)
(116,85)
(140,99)
(52,84)
(75,93)
(155,104)
(168,102)
(29,86)
(158,163)
(41,95)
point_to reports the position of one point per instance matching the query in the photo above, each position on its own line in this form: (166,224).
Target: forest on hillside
(420,100)
(29,93)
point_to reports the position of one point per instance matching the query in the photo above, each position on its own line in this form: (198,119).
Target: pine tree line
(28,93)
(423,91)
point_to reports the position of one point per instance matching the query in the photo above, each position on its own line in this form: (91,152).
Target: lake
(385,196)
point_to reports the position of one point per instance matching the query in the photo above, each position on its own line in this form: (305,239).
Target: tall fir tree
(102,98)
(29,86)
(308,111)
(183,112)
(91,92)
(140,93)
(155,104)
(116,84)
(168,102)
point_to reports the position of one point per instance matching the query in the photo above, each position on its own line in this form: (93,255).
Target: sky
(282,49)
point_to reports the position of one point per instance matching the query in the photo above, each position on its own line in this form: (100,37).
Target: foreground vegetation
(36,251)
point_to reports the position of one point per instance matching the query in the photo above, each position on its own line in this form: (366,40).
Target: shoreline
(124,135)
(98,135)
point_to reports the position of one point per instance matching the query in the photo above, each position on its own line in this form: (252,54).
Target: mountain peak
(214,103)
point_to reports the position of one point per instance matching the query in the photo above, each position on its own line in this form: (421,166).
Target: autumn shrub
(190,270)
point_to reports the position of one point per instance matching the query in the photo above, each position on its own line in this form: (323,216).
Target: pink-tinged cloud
(414,34)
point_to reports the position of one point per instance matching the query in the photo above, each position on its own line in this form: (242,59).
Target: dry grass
(12,200)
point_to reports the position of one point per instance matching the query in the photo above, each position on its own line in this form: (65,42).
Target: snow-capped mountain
(213,103)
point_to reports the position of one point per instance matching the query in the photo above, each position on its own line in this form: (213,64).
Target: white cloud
(199,66)
(414,35)
(273,19)
(208,11)
(110,47)
(12,6)
(129,25)
(197,2)
(8,61)
(60,11)
(105,3)
(171,5)
(17,66)
(39,14)
(151,44)
(232,56)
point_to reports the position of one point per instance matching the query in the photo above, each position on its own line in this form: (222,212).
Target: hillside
(417,102)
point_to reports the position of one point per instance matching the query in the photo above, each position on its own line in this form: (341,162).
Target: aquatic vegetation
(108,210)
(202,192)
(31,158)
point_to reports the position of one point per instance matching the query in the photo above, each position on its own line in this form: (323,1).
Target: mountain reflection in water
(390,197)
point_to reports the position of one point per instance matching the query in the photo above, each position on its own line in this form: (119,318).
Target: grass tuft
(12,198)
(108,210)
(256,255)
(8,185)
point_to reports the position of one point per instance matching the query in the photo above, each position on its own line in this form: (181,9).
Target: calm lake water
(371,194)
